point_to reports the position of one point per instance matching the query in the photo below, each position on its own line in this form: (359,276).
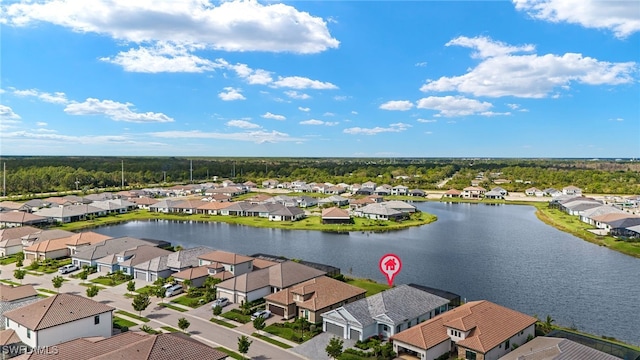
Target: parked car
(262,313)
(174,290)
(68,268)
(222,302)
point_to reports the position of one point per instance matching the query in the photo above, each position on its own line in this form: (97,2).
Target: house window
(7,322)
(96,320)
(398,329)
(506,345)
(470,355)
(231,268)
(28,334)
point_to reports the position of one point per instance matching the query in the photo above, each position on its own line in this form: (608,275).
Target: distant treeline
(52,174)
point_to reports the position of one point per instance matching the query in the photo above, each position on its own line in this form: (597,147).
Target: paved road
(201,328)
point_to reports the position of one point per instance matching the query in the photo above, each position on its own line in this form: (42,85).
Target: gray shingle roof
(550,348)
(111,246)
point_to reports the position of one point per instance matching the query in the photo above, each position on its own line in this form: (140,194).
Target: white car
(262,313)
(222,302)
(174,290)
(68,268)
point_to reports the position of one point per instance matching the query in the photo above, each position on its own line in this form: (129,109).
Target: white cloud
(454,105)
(65,140)
(501,73)
(114,110)
(258,136)
(354,112)
(269,115)
(229,25)
(421,64)
(428,132)
(243,124)
(305,109)
(398,127)
(621,17)
(6,113)
(296,95)
(486,47)
(231,94)
(340,98)
(426,120)
(41,123)
(493,113)
(252,76)
(55,98)
(617,119)
(318,122)
(162,57)
(328,114)
(517,107)
(397,105)
(299,82)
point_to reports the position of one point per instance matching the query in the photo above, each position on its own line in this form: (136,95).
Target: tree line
(25,175)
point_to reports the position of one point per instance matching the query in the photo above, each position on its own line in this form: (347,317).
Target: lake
(501,253)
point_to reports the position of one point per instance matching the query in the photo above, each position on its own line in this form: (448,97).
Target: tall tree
(161,292)
(19,274)
(140,302)
(259,324)
(334,348)
(243,345)
(131,286)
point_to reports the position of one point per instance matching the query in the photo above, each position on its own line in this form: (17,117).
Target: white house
(60,318)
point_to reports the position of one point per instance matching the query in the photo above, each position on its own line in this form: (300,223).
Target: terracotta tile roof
(550,348)
(17,232)
(324,292)
(453,192)
(85,238)
(47,245)
(56,310)
(8,336)
(489,325)
(192,273)
(262,263)
(223,275)
(247,282)
(144,201)
(188,204)
(335,212)
(289,273)
(11,293)
(21,217)
(225,257)
(612,217)
(214,205)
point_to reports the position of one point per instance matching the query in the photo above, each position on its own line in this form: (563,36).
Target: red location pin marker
(390,265)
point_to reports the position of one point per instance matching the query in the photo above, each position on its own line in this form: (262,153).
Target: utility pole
(191,171)
(4,178)
(164,176)
(122,186)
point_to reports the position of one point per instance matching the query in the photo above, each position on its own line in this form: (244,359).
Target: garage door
(104,268)
(153,277)
(141,275)
(335,329)
(276,310)
(30,256)
(354,334)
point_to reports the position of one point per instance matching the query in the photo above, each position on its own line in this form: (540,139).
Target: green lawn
(272,341)
(49,266)
(286,331)
(192,302)
(47,291)
(34,273)
(123,322)
(236,316)
(233,354)
(9,259)
(169,329)
(223,323)
(173,307)
(371,286)
(91,284)
(111,280)
(10,282)
(149,290)
(133,316)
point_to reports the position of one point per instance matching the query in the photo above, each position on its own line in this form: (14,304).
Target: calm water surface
(500,253)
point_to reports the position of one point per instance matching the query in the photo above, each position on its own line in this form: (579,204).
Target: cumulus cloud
(426,120)
(162,57)
(243,124)
(305,109)
(501,72)
(318,122)
(231,94)
(6,113)
(297,95)
(421,64)
(397,127)
(258,136)
(621,17)
(340,98)
(454,105)
(41,123)
(114,110)
(228,25)
(299,82)
(269,115)
(397,105)
(55,98)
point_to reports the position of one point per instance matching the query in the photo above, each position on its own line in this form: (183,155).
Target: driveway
(315,348)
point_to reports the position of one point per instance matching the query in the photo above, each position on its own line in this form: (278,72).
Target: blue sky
(528,78)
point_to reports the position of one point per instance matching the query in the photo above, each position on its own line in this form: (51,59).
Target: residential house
(336,200)
(80,240)
(58,201)
(60,318)
(263,210)
(10,206)
(552,348)
(400,190)
(572,190)
(496,195)
(144,202)
(104,196)
(164,206)
(473,192)
(126,260)
(306,201)
(195,275)
(365,191)
(258,199)
(89,255)
(226,261)
(610,220)
(335,215)
(188,206)
(476,330)
(386,313)
(451,193)
(270,184)
(400,206)
(212,207)
(219,198)
(379,212)
(11,239)
(61,247)
(237,208)
(454,299)
(132,346)
(288,213)
(283,199)
(163,266)
(34,205)
(334,190)
(312,298)
(417,192)
(382,191)
(20,218)
(71,213)
(368,184)
(254,285)
(534,191)
(115,206)
(552,192)
(11,344)
(587,215)
(500,190)
(13,297)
